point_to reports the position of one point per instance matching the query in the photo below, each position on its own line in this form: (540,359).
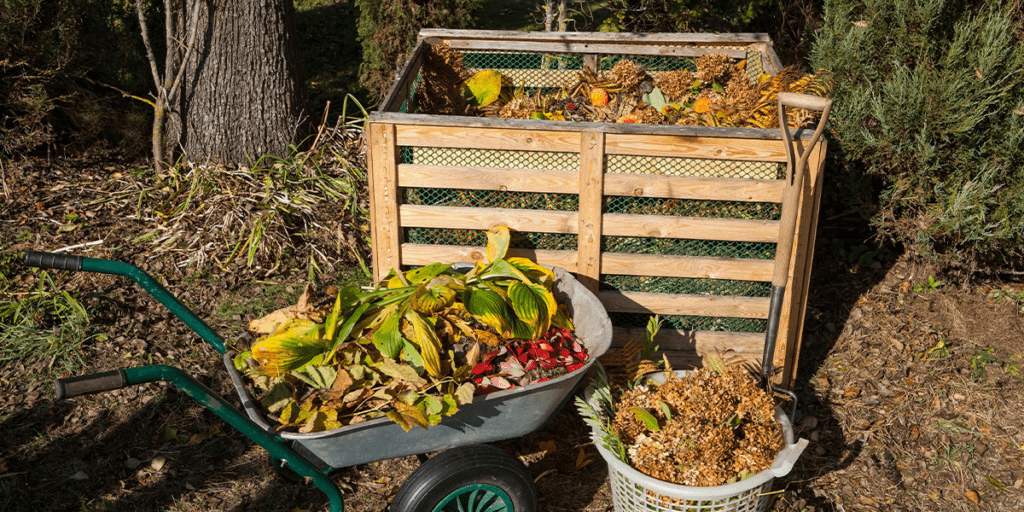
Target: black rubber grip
(94,383)
(50,260)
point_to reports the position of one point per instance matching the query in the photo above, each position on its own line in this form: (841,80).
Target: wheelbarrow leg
(117,379)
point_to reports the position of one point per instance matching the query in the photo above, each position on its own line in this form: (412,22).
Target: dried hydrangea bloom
(628,74)
(713,68)
(675,85)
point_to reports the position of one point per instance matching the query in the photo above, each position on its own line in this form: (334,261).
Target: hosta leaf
(646,417)
(345,330)
(426,339)
(537,273)
(561,318)
(502,269)
(534,305)
(418,275)
(497,243)
(412,356)
(292,346)
(489,308)
(484,87)
(393,369)
(432,296)
(388,339)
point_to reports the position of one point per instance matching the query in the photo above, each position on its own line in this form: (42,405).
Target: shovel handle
(794,174)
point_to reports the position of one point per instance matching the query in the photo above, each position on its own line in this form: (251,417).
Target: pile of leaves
(709,427)
(720,93)
(415,348)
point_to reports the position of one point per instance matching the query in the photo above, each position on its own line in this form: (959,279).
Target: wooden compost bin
(656,219)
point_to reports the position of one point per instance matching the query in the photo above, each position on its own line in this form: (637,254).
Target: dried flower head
(713,68)
(675,85)
(628,74)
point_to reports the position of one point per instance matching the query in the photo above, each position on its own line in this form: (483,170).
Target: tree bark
(242,94)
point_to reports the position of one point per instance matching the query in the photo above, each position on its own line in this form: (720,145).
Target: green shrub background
(929,101)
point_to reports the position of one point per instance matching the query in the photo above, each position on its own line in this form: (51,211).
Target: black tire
(474,477)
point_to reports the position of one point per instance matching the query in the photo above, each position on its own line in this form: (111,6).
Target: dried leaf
(973,496)
(303,310)
(404,372)
(277,397)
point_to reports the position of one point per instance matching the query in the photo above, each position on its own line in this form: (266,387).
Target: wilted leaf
(973,496)
(464,393)
(647,418)
(342,382)
(994,482)
(498,239)
(432,296)
(424,273)
(412,356)
(277,397)
(430,345)
(292,346)
(404,372)
(320,377)
(581,460)
(473,355)
(303,310)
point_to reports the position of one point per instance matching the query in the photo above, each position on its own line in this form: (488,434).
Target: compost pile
(414,348)
(711,427)
(720,92)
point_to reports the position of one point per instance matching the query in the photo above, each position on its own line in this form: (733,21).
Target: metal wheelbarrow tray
(467,473)
(492,417)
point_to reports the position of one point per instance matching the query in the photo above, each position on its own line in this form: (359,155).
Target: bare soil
(913,399)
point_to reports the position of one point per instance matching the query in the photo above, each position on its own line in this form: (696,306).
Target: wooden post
(590,212)
(384,199)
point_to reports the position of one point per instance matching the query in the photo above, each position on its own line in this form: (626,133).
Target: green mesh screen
(691,323)
(549,71)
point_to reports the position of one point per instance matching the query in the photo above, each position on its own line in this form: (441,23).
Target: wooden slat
(509,140)
(399,91)
(713,148)
(693,187)
(384,198)
(615,263)
(424,254)
(539,221)
(598,37)
(591,203)
(599,48)
(685,304)
(693,228)
(548,181)
(686,347)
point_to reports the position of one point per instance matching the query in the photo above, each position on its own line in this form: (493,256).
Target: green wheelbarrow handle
(117,379)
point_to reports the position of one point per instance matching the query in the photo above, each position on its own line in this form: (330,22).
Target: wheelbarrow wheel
(472,478)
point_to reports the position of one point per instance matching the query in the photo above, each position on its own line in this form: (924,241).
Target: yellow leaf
(537,273)
(293,345)
(427,340)
(303,310)
(485,86)
(497,243)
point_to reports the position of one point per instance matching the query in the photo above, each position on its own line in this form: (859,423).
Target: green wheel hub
(476,498)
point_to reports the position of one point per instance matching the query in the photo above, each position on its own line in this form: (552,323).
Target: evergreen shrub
(930,102)
(388,29)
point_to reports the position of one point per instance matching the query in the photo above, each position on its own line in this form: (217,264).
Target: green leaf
(451,405)
(717,88)
(292,346)
(646,417)
(388,339)
(534,305)
(655,99)
(996,483)
(412,356)
(489,308)
(484,87)
(239,360)
(666,410)
(403,372)
(498,240)
(427,340)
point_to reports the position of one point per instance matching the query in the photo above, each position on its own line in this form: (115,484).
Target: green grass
(43,326)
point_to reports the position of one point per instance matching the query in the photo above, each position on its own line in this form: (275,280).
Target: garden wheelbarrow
(468,475)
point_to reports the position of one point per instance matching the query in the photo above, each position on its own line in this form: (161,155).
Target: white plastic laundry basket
(633,491)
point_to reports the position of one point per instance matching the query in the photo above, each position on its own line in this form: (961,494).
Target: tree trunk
(242,94)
